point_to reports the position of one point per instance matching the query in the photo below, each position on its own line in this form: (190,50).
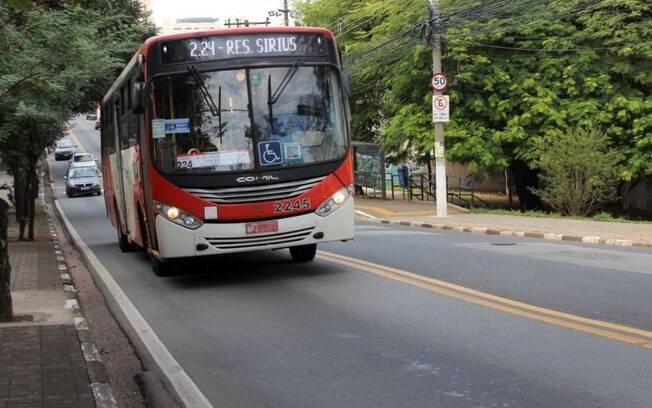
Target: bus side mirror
(137,104)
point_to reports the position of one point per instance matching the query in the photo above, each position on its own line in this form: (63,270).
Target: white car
(82,160)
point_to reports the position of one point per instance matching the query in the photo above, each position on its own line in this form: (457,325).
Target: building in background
(181,25)
(174,16)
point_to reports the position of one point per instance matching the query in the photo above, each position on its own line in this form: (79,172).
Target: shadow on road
(250,268)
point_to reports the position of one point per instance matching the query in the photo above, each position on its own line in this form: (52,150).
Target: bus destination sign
(244,46)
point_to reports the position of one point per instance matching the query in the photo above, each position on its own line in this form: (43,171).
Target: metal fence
(418,186)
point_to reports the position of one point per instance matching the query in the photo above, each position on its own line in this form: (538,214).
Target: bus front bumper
(175,241)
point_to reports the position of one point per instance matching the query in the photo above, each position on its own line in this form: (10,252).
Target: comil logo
(251,179)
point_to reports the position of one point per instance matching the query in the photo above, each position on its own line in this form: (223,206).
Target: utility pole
(246,23)
(286,12)
(440,160)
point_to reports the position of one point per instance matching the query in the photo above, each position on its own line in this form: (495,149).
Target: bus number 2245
(286,206)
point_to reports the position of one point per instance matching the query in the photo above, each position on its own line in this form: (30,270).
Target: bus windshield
(246,119)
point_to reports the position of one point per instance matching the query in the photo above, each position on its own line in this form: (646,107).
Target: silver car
(64,149)
(83,160)
(83,181)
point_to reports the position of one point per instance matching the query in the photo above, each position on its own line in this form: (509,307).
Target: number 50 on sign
(440,108)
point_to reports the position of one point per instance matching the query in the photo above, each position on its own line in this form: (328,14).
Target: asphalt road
(256,330)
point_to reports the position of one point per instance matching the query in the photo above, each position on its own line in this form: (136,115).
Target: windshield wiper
(216,111)
(272,98)
(205,93)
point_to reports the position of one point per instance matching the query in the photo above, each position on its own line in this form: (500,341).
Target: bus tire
(123,242)
(159,267)
(303,253)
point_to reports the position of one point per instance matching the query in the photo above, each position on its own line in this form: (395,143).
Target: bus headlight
(177,216)
(334,202)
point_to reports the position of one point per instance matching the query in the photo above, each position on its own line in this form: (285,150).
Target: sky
(254,10)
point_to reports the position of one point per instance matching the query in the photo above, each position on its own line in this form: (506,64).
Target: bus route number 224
(285,206)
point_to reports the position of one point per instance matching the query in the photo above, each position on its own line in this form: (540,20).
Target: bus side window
(133,118)
(123,121)
(108,131)
(103,130)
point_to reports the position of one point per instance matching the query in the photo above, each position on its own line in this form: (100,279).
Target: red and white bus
(229,140)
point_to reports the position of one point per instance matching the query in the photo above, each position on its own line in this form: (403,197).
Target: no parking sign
(440,108)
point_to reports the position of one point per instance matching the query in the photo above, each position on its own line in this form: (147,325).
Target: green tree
(60,59)
(539,71)
(579,171)
(521,71)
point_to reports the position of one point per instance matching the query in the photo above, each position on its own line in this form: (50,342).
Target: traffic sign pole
(440,161)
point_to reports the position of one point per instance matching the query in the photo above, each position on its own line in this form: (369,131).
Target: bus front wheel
(303,253)
(123,242)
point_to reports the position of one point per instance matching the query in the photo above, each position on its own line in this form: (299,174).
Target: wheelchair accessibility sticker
(270,153)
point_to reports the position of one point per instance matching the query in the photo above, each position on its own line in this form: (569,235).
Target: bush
(579,172)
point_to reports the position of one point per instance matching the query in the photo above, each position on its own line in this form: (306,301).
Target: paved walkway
(43,366)
(41,359)
(417,213)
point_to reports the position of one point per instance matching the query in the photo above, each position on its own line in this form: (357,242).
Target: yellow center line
(75,139)
(608,330)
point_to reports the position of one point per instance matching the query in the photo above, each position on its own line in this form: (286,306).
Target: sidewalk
(44,361)
(422,214)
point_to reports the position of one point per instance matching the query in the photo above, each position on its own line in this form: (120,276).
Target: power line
(450,23)
(361,57)
(559,50)
(400,52)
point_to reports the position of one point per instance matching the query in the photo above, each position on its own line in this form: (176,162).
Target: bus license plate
(261,227)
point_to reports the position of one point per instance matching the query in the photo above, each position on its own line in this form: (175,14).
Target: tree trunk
(32,194)
(525,179)
(508,188)
(626,188)
(20,197)
(6,310)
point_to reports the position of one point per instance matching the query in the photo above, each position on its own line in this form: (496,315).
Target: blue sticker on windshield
(270,153)
(176,126)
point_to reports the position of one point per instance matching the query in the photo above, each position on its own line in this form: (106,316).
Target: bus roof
(226,31)
(152,41)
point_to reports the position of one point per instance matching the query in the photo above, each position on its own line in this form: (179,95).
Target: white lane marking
(364,214)
(187,390)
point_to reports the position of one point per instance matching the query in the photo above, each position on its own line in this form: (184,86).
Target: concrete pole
(440,161)
(286,12)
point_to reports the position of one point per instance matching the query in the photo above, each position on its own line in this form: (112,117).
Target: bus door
(116,167)
(128,162)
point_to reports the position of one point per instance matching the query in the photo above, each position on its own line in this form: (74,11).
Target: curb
(175,382)
(587,239)
(97,373)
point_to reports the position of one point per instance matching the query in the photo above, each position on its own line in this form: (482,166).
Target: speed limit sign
(439,81)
